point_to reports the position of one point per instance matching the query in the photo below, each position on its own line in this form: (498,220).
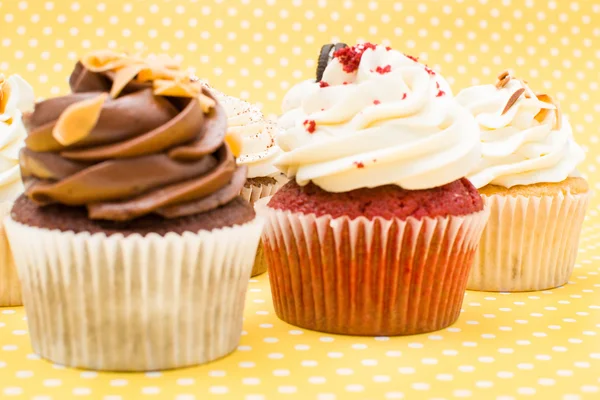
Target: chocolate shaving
(513,99)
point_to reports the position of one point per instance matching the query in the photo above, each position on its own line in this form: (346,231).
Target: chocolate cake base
(75,219)
(263,180)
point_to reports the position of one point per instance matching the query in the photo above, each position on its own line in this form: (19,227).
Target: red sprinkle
(311,126)
(322,109)
(376,102)
(345,83)
(388,48)
(359,164)
(430,71)
(384,70)
(415,59)
(440,93)
(350,56)
(323,84)
(437,85)
(404,96)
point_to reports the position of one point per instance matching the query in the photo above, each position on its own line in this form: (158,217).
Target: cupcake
(376,232)
(16,97)
(258,152)
(528,174)
(132,243)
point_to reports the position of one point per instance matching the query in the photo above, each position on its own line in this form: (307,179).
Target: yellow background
(534,345)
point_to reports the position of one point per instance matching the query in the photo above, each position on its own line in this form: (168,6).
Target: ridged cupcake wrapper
(530,243)
(361,277)
(134,303)
(252,195)
(257,192)
(10,287)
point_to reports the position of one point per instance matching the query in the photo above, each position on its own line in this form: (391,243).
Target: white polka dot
(150,390)
(251,381)
(52,382)
(317,380)
(287,389)
(81,391)
(406,370)
(281,372)
(218,389)
(526,391)
(13,391)
(186,381)
(421,386)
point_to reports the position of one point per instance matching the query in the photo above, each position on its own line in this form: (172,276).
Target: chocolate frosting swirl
(146,154)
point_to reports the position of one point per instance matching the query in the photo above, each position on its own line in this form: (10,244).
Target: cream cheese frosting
(377,117)
(259,149)
(16,97)
(524,143)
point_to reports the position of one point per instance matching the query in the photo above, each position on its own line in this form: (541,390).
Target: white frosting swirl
(259,149)
(16,97)
(400,127)
(517,149)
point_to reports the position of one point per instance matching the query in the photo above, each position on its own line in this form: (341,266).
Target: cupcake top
(16,97)
(525,139)
(377,117)
(259,149)
(136,136)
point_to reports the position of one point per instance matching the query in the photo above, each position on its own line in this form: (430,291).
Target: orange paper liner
(361,277)
(134,303)
(530,243)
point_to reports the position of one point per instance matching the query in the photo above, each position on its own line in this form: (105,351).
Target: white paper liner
(134,303)
(530,243)
(257,192)
(361,277)
(10,287)
(252,195)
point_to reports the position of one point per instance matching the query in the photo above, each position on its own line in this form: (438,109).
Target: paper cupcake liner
(257,192)
(10,287)
(252,195)
(361,277)
(260,261)
(134,303)
(530,243)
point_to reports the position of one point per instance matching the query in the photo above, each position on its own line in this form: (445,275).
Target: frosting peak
(259,149)
(525,138)
(377,117)
(16,97)
(155,145)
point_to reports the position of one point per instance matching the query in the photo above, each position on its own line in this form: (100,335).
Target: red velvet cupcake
(377,232)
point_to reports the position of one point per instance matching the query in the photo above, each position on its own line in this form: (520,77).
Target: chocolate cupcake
(16,97)
(131,224)
(376,233)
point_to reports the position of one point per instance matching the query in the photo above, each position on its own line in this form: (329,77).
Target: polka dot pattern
(504,347)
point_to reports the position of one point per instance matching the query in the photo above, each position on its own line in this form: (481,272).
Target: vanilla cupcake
(258,153)
(528,174)
(16,97)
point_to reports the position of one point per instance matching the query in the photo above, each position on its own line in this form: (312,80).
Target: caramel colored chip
(153,73)
(541,116)
(513,99)
(234,141)
(105,60)
(173,88)
(206,102)
(123,77)
(4,93)
(78,120)
(501,83)
(503,75)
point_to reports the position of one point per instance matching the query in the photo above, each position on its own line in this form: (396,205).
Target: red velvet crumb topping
(376,102)
(429,71)
(404,96)
(384,70)
(415,59)
(310,125)
(350,57)
(323,84)
(359,164)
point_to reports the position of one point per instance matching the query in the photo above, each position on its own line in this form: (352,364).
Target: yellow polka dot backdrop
(543,345)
